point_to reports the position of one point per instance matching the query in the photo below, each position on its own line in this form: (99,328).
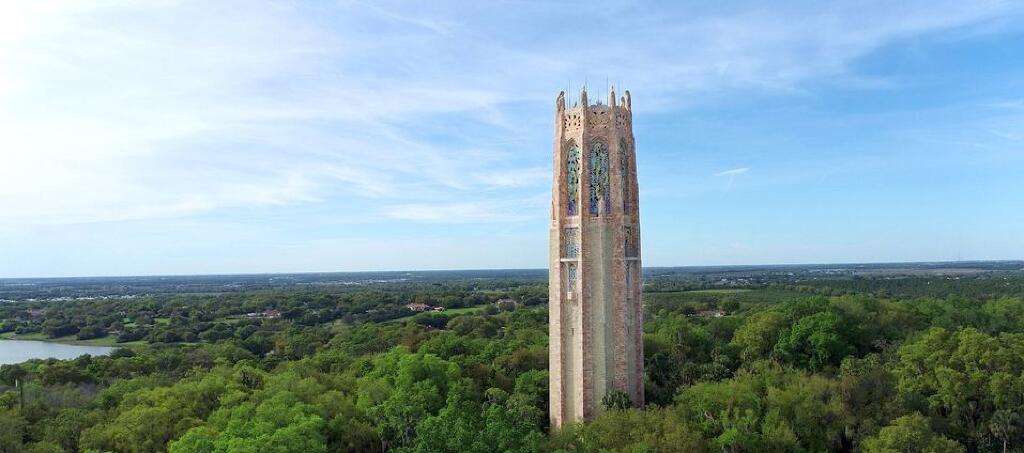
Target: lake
(17,351)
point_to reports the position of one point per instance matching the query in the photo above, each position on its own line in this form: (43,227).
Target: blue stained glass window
(572,178)
(571,241)
(599,178)
(624,169)
(570,276)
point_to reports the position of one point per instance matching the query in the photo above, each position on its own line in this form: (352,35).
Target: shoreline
(106,342)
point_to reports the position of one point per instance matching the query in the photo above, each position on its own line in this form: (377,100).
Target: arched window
(570,276)
(571,243)
(599,200)
(572,175)
(631,246)
(624,170)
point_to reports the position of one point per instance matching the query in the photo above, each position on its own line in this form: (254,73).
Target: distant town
(93,288)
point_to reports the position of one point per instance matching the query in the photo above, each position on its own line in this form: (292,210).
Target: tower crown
(624,101)
(588,121)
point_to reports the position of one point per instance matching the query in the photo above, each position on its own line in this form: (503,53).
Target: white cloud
(733,172)
(123,110)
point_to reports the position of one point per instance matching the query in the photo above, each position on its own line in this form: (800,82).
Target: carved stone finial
(560,103)
(611,97)
(628,102)
(583,97)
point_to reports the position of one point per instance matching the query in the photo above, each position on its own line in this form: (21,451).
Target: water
(17,351)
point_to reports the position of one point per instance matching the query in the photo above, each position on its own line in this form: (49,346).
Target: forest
(909,364)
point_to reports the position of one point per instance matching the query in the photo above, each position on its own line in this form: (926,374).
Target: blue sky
(183,137)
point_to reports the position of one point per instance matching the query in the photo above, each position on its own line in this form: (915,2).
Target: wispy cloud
(1012,136)
(733,172)
(121,110)
(468,212)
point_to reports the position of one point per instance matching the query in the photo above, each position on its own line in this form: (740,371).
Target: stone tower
(594,300)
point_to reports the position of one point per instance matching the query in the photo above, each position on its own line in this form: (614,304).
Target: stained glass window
(624,170)
(631,244)
(570,276)
(629,282)
(571,242)
(627,312)
(599,178)
(572,185)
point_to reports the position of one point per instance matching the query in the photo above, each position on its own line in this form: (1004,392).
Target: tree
(530,398)
(633,430)
(12,431)
(348,428)
(1005,426)
(465,425)
(90,332)
(57,329)
(65,428)
(767,409)
(455,428)
(758,335)
(816,341)
(616,399)
(153,417)
(910,434)
(44,447)
(282,424)
(964,377)
(870,399)
(1005,314)
(403,389)
(805,410)
(728,413)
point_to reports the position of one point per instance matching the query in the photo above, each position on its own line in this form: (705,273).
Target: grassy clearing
(462,311)
(451,311)
(710,298)
(26,337)
(108,341)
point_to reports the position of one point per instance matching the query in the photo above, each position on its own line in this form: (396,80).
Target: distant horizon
(539,269)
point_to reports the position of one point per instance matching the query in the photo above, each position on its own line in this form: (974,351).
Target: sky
(192,137)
